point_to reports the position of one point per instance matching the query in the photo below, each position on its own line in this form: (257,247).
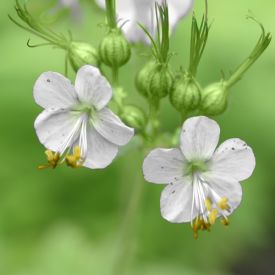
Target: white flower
(76,124)
(142,11)
(203,183)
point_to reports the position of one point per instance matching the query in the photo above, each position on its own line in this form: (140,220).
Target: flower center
(84,108)
(195,166)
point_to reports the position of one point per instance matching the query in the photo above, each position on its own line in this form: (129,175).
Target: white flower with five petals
(142,11)
(76,126)
(203,183)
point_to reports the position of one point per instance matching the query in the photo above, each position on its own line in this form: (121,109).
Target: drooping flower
(143,11)
(203,183)
(76,127)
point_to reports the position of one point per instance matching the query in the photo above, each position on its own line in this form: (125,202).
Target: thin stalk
(111,13)
(153,117)
(115,74)
(129,227)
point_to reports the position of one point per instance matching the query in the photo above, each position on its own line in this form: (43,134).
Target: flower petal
(225,186)
(53,90)
(199,138)
(53,127)
(234,158)
(92,87)
(163,166)
(100,152)
(111,127)
(176,203)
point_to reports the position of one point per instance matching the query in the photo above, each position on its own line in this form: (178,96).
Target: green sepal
(214,99)
(81,53)
(186,93)
(134,117)
(114,49)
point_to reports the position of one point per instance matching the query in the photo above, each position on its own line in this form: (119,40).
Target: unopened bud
(81,53)
(186,93)
(155,80)
(143,80)
(114,49)
(134,117)
(214,99)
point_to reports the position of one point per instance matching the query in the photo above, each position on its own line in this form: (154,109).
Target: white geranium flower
(76,126)
(143,11)
(203,183)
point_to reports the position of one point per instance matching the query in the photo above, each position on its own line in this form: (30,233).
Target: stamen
(208,204)
(74,160)
(53,160)
(77,158)
(225,221)
(213,216)
(223,204)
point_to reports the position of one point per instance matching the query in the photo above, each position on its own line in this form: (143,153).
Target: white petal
(163,166)
(142,11)
(199,138)
(234,158)
(92,87)
(53,90)
(176,203)
(178,9)
(53,128)
(111,127)
(225,186)
(100,152)
(101,3)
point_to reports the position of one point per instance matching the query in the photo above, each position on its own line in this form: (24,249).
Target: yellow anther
(208,204)
(74,160)
(223,204)
(196,235)
(77,152)
(225,221)
(213,216)
(53,159)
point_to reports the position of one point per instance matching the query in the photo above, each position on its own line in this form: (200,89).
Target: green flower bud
(114,49)
(81,53)
(186,93)
(214,99)
(143,80)
(134,117)
(154,80)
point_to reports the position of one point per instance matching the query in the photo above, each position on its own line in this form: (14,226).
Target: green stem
(153,117)
(129,227)
(115,73)
(111,13)
(66,65)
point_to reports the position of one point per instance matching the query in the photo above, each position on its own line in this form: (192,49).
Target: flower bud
(154,80)
(186,93)
(114,49)
(81,53)
(142,79)
(133,117)
(214,99)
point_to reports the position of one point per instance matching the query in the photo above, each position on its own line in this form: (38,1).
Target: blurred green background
(67,222)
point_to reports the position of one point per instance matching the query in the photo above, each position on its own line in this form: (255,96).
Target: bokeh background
(68,222)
